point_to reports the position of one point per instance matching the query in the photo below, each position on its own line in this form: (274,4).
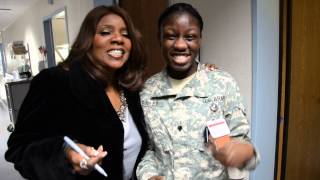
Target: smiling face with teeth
(111,43)
(180,42)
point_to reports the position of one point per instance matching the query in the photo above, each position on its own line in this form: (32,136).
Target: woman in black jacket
(93,98)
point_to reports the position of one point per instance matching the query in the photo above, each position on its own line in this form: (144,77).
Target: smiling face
(111,43)
(180,43)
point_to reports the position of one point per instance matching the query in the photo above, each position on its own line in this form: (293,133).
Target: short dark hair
(132,74)
(180,8)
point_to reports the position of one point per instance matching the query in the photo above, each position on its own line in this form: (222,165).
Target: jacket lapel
(86,90)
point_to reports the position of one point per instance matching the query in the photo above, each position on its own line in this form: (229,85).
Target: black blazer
(71,103)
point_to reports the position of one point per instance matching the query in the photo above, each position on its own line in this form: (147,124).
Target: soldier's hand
(234,153)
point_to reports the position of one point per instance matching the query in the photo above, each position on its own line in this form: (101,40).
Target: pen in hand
(76,148)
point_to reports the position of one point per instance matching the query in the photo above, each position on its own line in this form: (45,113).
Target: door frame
(265,24)
(3,60)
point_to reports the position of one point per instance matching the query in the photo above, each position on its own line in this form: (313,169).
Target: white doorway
(56,37)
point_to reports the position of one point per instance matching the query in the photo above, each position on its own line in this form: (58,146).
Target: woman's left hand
(232,154)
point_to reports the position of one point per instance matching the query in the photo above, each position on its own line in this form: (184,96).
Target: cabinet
(16,92)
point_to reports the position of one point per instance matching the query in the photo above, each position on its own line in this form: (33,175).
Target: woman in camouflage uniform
(180,100)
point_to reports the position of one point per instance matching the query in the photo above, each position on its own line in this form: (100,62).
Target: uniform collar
(193,88)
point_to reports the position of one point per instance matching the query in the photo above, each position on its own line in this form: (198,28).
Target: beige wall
(58,30)
(227,39)
(29,27)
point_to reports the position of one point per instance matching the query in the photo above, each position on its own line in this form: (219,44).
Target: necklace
(123,107)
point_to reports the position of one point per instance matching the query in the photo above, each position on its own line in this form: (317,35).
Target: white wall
(29,27)
(227,39)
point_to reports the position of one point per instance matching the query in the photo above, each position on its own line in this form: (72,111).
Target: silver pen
(76,148)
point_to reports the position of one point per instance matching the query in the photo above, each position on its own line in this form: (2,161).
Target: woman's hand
(80,164)
(157,178)
(232,154)
(210,67)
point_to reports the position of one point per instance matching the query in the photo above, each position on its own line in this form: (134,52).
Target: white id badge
(218,128)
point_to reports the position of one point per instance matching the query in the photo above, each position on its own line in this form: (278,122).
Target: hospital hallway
(7,171)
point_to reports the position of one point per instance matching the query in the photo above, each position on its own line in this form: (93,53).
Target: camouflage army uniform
(176,124)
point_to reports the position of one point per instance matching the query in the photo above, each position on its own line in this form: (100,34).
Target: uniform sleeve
(35,151)
(235,114)
(148,166)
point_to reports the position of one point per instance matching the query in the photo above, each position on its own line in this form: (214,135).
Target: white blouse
(131,145)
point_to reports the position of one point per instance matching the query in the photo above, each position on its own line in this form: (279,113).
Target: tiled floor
(7,172)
